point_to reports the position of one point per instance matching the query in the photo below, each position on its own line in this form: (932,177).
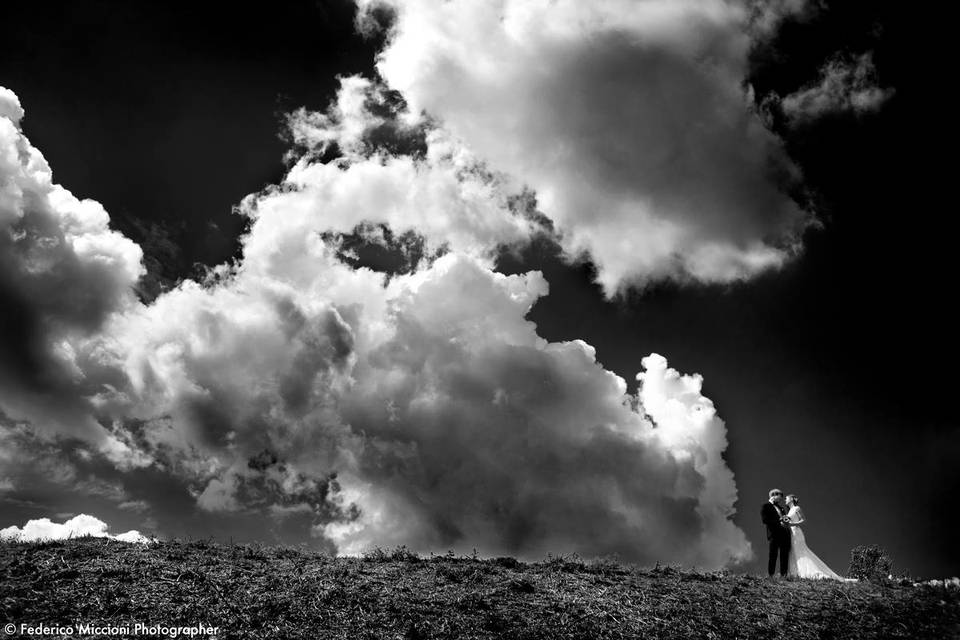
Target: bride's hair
(793,498)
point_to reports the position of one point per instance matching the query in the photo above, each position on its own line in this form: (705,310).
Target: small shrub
(399,554)
(869,563)
(507,562)
(376,555)
(403,554)
(571,563)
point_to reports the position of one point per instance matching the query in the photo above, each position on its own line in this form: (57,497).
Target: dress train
(802,562)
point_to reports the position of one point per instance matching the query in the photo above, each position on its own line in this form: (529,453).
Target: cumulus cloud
(417,407)
(844,86)
(62,273)
(80,525)
(629,120)
(10,106)
(480,434)
(767,15)
(444,193)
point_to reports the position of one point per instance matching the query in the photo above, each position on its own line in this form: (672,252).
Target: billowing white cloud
(480,434)
(628,119)
(767,15)
(80,525)
(62,273)
(419,409)
(844,86)
(448,196)
(10,108)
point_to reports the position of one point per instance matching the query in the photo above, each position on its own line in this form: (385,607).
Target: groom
(778,534)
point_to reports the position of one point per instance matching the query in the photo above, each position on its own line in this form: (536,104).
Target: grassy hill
(273,592)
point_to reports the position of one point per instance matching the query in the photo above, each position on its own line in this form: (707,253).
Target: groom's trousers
(779,546)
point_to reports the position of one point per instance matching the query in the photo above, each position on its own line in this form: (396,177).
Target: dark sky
(834,375)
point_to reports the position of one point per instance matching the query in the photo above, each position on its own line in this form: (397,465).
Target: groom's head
(776,495)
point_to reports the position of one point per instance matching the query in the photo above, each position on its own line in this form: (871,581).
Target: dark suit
(778,535)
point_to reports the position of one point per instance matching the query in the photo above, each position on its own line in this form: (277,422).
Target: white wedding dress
(804,563)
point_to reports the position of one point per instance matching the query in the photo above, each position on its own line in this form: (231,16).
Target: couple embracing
(783,517)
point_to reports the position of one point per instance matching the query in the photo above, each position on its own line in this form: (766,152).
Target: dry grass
(274,592)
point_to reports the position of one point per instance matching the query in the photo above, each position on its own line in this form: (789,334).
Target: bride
(803,562)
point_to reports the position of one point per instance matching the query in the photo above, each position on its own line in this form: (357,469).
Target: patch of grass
(256,591)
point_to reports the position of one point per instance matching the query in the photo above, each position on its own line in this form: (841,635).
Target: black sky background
(835,375)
